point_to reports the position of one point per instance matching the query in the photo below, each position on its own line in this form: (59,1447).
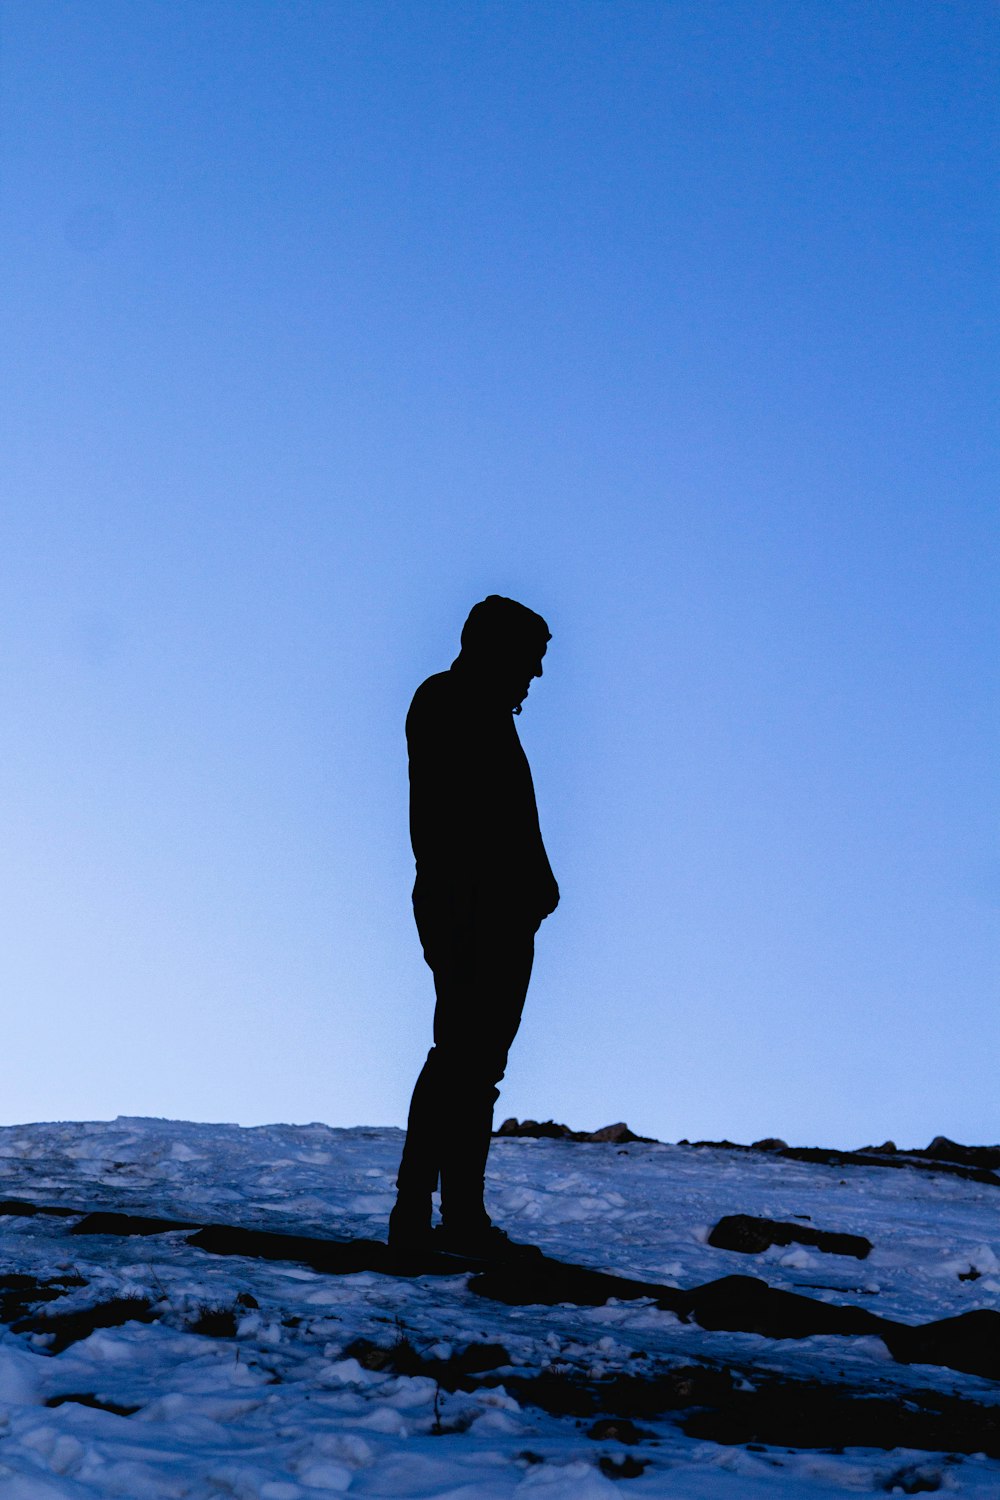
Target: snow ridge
(269,1380)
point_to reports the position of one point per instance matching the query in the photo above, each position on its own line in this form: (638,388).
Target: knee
(465,1072)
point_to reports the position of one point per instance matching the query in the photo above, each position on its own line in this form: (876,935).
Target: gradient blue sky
(675,321)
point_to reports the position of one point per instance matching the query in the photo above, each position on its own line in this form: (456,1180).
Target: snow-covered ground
(270,1406)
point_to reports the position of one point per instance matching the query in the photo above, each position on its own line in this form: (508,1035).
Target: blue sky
(674,321)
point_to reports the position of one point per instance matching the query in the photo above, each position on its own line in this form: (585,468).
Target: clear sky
(675,320)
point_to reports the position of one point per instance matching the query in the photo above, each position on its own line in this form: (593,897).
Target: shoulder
(434,699)
(436,692)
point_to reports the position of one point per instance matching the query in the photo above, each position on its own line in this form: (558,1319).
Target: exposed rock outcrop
(617,1134)
(750,1236)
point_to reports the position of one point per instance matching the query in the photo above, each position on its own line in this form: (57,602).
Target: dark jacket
(473,817)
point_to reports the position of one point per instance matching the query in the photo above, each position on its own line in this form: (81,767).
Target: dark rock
(769,1143)
(549,1130)
(68,1328)
(99,1403)
(337,1257)
(545,1282)
(792,1414)
(569,1393)
(779,1412)
(619,1430)
(476,1358)
(215,1323)
(453,1374)
(942,1149)
(128,1224)
(401,1358)
(715,1145)
(911,1161)
(17,1208)
(742,1304)
(750,1235)
(740,1232)
(618,1134)
(976,1165)
(969,1342)
(19,1293)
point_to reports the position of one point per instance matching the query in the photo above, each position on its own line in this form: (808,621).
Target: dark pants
(481,964)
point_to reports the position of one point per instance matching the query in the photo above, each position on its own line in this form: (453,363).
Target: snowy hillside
(135,1362)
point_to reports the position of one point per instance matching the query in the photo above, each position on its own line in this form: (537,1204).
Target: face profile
(510,671)
(503,644)
(526,672)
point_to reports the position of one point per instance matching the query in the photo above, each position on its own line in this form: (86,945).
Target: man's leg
(442,940)
(475,1023)
(481,974)
(417,1177)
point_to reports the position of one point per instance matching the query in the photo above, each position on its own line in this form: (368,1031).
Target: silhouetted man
(483,887)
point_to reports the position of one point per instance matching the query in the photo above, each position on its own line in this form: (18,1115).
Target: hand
(550,899)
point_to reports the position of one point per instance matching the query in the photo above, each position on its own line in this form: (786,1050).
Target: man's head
(503,642)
